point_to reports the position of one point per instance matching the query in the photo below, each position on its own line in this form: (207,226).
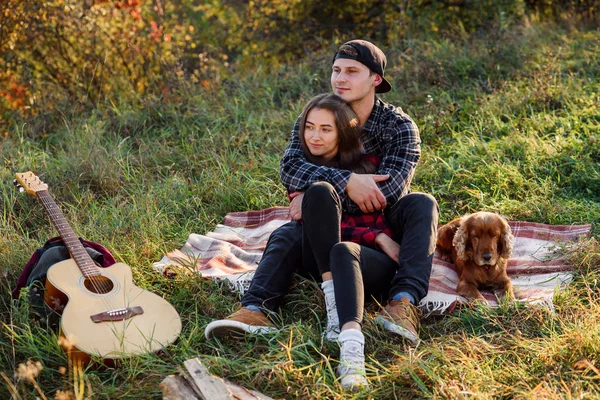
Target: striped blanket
(233,250)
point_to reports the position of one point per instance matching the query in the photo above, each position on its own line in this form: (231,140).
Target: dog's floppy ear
(506,240)
(446,234)
(460,240)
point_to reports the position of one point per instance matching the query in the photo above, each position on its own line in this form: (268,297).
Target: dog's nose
(486,256)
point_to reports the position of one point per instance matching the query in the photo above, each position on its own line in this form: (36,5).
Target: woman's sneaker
(332,330)
(241,322)
(351,369)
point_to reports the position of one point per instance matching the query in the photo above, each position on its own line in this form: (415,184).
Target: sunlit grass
(509,123)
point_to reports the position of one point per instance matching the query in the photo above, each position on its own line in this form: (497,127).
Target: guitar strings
(50,206)
(101,287)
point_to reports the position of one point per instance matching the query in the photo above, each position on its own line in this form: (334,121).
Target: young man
(357,75)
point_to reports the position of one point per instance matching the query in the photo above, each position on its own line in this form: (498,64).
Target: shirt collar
(371,123)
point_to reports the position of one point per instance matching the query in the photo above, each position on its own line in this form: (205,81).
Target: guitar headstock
(30,182)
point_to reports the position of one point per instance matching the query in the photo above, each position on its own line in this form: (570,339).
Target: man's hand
(362,189)
(296,206)
(388,246)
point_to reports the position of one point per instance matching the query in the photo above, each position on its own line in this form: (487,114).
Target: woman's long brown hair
(349,155)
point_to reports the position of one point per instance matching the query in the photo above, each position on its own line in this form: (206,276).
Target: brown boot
(400,317)
(240,322)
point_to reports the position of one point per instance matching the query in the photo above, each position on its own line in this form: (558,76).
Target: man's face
(352,80)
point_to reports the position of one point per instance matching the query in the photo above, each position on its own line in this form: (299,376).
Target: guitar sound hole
(98,284)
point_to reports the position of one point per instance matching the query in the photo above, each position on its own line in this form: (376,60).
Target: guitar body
(153,326)
(103,313)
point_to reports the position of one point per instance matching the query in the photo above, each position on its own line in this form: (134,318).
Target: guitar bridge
(119,314)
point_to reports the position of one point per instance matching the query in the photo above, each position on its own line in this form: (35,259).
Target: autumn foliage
(81,55)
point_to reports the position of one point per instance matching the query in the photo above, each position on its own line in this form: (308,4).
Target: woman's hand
(388,246)
(296,206)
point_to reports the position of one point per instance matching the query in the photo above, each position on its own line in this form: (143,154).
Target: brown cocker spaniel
(480,245)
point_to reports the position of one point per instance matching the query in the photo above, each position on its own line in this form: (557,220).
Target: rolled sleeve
(368,236)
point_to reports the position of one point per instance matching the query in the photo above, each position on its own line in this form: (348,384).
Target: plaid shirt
(388,133)
(363,228)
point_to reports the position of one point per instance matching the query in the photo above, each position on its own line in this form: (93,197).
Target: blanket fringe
(238,283)
(436,307)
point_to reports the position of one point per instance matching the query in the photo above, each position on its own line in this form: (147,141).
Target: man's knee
(420,204)
(290,234)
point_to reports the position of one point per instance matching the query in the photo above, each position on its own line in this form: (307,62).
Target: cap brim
(383,87)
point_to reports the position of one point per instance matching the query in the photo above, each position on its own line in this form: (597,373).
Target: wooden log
(206,385)
(195,382)
(175,387)
(241,393)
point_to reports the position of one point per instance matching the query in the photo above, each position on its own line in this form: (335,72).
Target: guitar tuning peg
(20,189)
(15,182)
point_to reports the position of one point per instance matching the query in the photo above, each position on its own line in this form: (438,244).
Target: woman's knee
(343,254)
(321,190)
(321,195)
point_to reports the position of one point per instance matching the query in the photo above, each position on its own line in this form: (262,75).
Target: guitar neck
(78,253)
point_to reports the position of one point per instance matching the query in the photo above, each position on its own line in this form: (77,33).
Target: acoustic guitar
(103,313)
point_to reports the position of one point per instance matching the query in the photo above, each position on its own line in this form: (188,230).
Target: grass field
(510,123)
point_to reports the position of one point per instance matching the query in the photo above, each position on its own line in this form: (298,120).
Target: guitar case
(53,251)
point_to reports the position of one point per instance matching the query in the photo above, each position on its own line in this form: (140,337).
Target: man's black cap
(368,54)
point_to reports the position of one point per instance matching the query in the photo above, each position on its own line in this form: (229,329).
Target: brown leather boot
(241,322)
(400,317)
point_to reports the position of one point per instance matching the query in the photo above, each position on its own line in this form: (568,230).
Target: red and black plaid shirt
(363,228)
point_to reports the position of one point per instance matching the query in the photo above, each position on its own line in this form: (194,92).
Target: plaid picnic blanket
(233,250)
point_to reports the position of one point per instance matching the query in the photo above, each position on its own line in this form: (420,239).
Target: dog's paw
(479,300)
(502,295)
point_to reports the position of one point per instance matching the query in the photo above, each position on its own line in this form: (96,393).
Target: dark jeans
(307,248)
(298,247)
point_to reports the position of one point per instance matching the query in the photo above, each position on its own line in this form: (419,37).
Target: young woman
(353,254)
(330,135)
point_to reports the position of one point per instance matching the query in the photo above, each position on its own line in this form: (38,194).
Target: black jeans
(307,248)
(359,273)
(298,247)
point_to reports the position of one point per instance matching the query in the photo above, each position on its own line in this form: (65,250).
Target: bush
(75,55)
(70,56)
(575,10)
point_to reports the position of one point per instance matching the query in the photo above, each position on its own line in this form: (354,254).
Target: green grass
(509,123)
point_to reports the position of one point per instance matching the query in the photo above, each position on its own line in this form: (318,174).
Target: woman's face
(320,133)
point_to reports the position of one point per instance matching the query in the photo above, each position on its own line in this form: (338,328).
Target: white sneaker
(332,330)
(351,369)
